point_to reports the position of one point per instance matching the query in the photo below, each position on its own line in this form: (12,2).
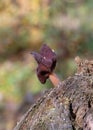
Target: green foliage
(49,23)
(16,79)
(64,25)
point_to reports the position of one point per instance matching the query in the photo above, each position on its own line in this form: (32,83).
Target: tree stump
(69,106)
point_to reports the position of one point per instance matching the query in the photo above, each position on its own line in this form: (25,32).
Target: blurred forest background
(65,25)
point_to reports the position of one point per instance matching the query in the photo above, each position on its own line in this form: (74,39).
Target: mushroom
(46,60)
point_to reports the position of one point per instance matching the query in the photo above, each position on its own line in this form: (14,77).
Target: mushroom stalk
(54,79)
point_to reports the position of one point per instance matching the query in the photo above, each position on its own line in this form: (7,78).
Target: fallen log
(68,106)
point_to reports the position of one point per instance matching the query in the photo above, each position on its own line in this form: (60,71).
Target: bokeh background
(65,25)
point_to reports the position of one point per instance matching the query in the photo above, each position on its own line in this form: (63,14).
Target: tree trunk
(69,106)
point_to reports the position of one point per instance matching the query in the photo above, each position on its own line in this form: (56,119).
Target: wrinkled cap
(46,60)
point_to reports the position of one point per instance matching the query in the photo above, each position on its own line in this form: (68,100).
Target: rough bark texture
(69,106)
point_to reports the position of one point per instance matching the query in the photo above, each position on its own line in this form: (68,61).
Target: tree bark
(69,106)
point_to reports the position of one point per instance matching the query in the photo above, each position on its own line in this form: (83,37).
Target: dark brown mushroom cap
(46,60)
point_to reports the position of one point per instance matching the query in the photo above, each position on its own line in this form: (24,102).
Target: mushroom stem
(54,79)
